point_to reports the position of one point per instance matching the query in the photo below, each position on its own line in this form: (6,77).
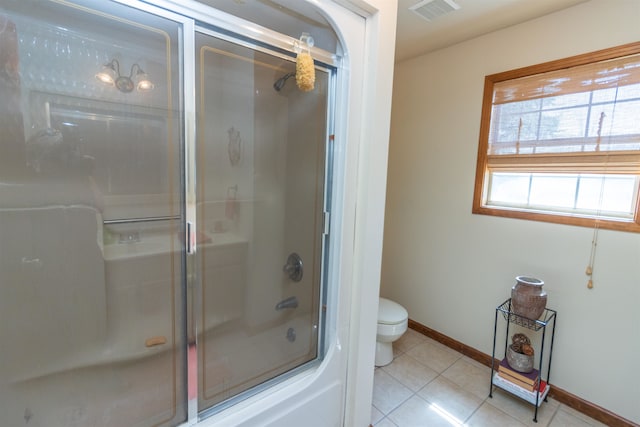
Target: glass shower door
(261,151)
(91,254)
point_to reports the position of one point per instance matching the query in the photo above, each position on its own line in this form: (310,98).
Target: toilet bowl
(392,323)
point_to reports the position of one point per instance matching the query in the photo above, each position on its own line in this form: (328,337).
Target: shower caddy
(547,318)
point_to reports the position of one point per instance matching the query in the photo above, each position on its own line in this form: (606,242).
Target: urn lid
(531,281)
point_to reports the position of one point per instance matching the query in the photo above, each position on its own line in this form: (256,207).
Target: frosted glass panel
(91,320)
(261,169)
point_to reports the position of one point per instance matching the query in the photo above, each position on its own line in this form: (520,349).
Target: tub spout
(291,302)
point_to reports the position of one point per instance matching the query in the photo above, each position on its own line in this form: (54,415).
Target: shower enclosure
(164,207)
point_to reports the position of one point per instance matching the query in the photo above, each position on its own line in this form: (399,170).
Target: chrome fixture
(137,78)
(291,302)
(279,84)
(294,267)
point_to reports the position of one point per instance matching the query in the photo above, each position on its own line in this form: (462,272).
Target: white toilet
(392,323)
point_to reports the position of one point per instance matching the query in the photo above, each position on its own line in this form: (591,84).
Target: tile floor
(429,384)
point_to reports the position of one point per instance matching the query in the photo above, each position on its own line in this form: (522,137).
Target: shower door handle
(294,267)
(190,238)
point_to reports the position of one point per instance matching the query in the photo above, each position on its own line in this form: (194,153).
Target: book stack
(527,380)
(527,386)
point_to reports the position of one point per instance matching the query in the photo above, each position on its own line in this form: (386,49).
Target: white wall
(450,268)
(367,160)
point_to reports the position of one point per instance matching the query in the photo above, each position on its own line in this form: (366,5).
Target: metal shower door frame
(194,17)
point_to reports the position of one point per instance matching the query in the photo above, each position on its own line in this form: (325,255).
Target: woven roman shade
(583,117)
(610,73)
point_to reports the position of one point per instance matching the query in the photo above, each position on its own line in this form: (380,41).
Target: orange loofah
(305,72)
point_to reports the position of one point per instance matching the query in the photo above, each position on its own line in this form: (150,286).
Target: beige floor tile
(385,422)
(376,415)
(470,376)
(565,419)
(489,415)
(388,393)
(434,355)
(410,372)
(429,384)
(568,415)
(522,410)
(396,352)
(409,340)
(476,363)
(451,398)
(417,412)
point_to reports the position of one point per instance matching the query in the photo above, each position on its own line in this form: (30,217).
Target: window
(560,141)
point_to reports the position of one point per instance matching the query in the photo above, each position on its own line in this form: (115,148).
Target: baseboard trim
(594,411)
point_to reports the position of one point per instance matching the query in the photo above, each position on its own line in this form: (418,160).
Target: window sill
(606,224)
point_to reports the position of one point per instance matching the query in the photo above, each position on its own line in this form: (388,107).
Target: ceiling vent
(432,9)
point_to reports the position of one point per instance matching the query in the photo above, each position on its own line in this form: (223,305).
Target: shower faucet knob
(294,267)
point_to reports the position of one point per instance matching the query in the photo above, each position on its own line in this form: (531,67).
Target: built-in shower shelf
(150,244)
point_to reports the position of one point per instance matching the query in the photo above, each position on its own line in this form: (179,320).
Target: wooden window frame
(482,171)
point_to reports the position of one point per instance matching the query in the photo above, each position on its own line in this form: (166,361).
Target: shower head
(279,84)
